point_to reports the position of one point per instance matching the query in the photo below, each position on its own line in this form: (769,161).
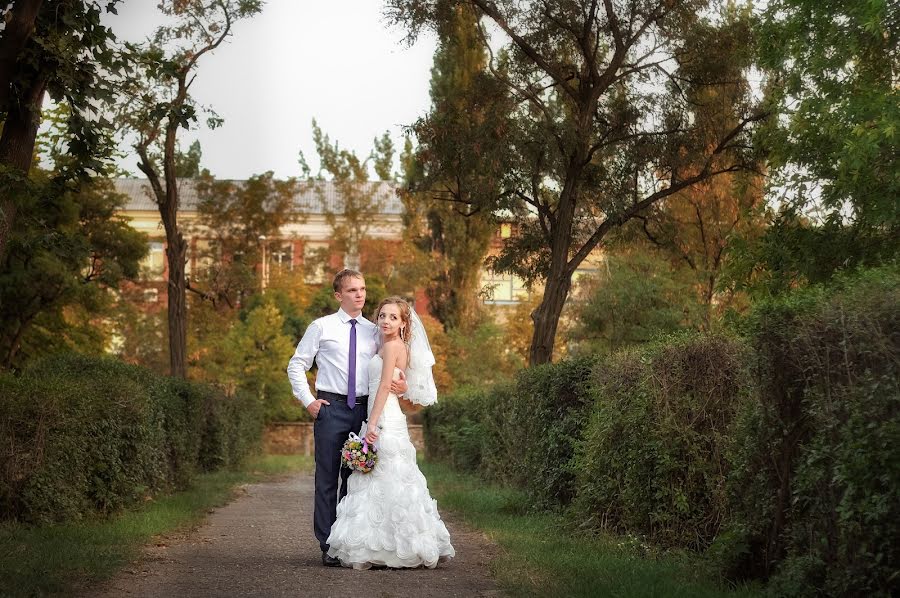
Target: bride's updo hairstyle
(405,316)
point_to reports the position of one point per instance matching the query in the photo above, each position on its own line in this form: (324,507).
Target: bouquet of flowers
(358,454)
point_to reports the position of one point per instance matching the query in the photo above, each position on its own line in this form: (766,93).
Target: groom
(341,345)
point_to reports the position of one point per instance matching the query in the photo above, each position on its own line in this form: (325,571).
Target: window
(502,288)
(151,295)
(505,230)
(202,258)
(282,256)
(154,263)
(315,259)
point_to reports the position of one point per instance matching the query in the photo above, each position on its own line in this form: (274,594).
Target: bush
(653,457)
(780,452)
(86,435)
(532,430)
(816,482)
(523,433)
(454,429)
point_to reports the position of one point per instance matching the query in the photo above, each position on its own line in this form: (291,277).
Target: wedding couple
(385,518)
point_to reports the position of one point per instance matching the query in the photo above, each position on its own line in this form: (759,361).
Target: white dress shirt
(327,341)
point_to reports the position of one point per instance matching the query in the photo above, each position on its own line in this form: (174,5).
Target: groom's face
(352,296)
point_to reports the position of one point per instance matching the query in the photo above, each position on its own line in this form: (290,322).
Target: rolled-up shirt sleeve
(302,361)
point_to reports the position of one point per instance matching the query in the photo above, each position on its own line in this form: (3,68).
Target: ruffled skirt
(388,518)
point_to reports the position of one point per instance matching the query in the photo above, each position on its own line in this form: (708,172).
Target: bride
(388,517)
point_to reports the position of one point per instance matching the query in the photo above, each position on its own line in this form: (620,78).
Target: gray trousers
(330,430)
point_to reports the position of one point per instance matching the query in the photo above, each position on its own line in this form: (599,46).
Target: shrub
(454,428)
(533,429)
(85,435)
(816,477)
(653,457)
(523,433)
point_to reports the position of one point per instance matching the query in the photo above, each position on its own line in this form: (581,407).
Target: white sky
(333,60)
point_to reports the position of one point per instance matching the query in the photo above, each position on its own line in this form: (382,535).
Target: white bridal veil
(419,376)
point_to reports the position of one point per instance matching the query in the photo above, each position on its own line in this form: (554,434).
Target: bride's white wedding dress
(388,517)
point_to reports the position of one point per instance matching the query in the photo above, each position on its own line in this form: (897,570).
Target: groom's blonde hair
(343,275)
(405,315)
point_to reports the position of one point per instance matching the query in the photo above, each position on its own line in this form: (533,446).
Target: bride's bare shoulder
(392,347)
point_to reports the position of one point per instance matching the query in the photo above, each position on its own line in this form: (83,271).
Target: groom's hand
(314,407)
(399,386)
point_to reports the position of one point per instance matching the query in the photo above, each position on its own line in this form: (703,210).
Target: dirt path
(262,544)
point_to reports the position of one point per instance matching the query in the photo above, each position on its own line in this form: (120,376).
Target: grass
(59,559)
(541,556)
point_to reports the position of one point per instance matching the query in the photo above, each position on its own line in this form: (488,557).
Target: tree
(251,357)
(450,175)
(700,226)
(187,164)
(158,104)
(237,216)
(601,128)
(832,74)
(361,200)
(67,252)
(637,297)
(58,48)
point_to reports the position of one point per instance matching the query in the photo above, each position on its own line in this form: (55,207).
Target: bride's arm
(389,361)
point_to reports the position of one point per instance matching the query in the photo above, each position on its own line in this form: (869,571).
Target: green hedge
(84,435)
(816,474)
(779,451)
(523,433)
(654,453)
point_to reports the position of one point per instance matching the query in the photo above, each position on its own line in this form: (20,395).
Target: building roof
(315,197)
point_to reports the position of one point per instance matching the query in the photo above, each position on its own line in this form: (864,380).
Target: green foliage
(187,164)
(454,428)
(67,251)
(777,452)
(540,554)
(295,319)
(832,76)
(361,201)
(654,453)
(634,298)
(250,360)
(242,218)
(816,482)
(578,135)
(467,112)
(833,65)
(543,422)
(524,433)
(70,54)
(477,354)
(93,435)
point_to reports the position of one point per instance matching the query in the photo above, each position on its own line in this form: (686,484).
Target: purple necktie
(351,369)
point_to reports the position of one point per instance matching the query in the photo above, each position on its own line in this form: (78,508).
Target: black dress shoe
(330,561)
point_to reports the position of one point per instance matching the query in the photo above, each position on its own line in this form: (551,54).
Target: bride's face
(389,320)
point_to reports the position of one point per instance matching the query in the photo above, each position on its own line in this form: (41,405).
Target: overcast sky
(333,60)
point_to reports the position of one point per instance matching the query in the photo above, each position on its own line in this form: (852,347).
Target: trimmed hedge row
(815,481)
(524,433)
(84,435)
(777,453)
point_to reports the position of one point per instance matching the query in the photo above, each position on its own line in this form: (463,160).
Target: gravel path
(262,544)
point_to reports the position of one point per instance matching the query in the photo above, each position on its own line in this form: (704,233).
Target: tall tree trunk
(17,151)
(559,279)
(166,192)
(177,303)
(546,318)
(19,27)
